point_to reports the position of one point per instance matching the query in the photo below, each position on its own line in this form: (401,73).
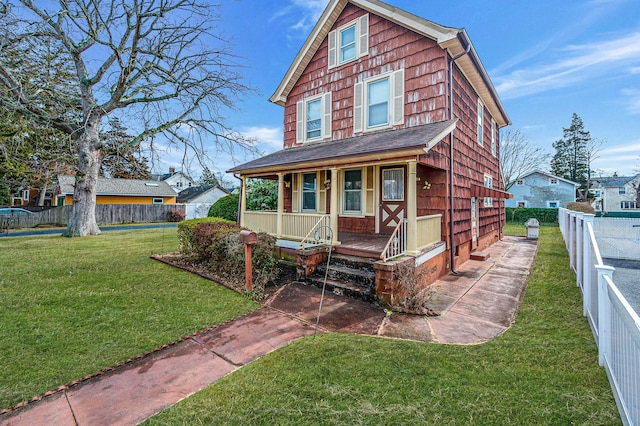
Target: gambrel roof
(454,40)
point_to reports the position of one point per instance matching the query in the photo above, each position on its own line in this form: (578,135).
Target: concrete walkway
(475,306)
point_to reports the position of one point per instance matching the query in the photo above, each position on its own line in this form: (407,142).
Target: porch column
(243,200)
(280,204)
(333,215)
(412,217)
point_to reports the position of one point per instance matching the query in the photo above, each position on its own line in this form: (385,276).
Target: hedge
(522,214)
(225,207)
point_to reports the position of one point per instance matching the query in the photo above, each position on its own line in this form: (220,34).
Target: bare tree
(518,157)
(159,60)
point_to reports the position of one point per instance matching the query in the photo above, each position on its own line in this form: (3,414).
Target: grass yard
(543,370)
(72,306)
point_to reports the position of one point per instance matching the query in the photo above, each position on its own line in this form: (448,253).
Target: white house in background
(539,189)
(177,180)
(199,199)
(616,194)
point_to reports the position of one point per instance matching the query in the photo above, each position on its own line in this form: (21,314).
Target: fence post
(604,312)
(572,239)
(579,247)
(587,261)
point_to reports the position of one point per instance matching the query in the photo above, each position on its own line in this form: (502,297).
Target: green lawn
(71,307)
(543,370)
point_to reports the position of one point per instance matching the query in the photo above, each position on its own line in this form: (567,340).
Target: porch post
(412,217)
(333,214)
(280,204)
(243,200)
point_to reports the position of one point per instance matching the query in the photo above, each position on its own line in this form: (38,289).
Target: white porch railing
(295,226)
(428,230)
(615,325)
(261,221)
(320,233)
(397,244)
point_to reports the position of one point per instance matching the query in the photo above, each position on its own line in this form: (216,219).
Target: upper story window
(480,122)
(313,118)
(622,190)
(553,181)
(379,102)
(493,137)
(349,42)
(520,182)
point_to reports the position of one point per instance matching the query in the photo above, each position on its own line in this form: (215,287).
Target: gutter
(451,174)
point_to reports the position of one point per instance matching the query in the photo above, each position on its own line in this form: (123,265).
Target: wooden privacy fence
(106,214)
(614,323)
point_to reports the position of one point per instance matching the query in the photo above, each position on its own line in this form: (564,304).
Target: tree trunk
(83,215)
(42,194)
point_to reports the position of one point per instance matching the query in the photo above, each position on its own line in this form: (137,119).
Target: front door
(393,204)
(474,223)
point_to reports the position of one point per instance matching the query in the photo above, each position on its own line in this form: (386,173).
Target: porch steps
(479,255)
(349,275)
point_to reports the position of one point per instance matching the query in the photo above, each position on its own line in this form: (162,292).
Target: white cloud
(632,100)
(301,15)
(574,64)
(623,159)
(269,139)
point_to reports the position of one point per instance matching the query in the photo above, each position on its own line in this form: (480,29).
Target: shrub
(186,230)
(226,208)
(175,215)
(581,207)
(522,214)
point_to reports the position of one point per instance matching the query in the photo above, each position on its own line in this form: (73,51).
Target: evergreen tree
(571,160)
(120,159)
(208,177)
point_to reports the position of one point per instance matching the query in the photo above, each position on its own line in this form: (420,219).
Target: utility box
(532,226)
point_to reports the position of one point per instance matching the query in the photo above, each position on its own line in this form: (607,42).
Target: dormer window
(349,42)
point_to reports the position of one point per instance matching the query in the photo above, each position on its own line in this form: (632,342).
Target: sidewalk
(475,306)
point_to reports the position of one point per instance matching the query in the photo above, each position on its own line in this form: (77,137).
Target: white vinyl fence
(615,325)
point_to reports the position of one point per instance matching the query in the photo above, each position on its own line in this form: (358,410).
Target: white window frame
(25,195)
(557,203)
(553,181)
(524,204)
(157,200)
(493,137)
(628,205)
(315,192)
(519,182)
(395,108)
(622,190)
(325,118)
(361,41)
(345,190)
(480,119)
(488,183)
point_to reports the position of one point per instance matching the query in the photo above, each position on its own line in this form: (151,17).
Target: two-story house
(538,189)
(616,194)
(178,181)
(391,141)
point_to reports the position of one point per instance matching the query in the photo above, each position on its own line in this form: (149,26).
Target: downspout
(239,199)
(451,197)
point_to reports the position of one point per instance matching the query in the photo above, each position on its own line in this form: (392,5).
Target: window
(520,182)
(488,183)
(348,42)
(521,204)
(313,118)
(158,201)
(553,204)
(628,204)
(309,187)
(393,189)
(379,102)
(622,190)
(493,137)
(179,184)
(25,195)
(353,191)
(553,181)
(480,122)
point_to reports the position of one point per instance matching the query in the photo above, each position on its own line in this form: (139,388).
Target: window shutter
(398,97)
(363,35)
(300,122)
(326,115)
(357,107)
(333,51)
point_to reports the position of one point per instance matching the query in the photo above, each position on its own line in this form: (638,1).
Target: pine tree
(571,160)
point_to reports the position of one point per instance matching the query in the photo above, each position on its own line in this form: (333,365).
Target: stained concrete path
(475,306)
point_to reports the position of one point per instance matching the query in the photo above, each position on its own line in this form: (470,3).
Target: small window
(314,119)
(520,182)
(25,195)
(521,204)
(493,137)
(309,186)
(353,191)
(553,204)
(480,122)
(348,44)
(158,201)
(488,183)
(628,205)
(622,190)
(179,184)
(393,189)
(553,181)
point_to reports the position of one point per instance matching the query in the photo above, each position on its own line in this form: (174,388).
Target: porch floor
(361,245)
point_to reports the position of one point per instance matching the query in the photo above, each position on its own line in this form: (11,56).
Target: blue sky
(547,59)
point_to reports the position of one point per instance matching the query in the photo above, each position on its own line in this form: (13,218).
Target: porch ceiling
(372,146)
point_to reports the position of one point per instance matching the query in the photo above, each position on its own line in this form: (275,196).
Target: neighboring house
(539,189)
(616,194)
(199,199)
(177,180)
(118,191)
(372,103)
